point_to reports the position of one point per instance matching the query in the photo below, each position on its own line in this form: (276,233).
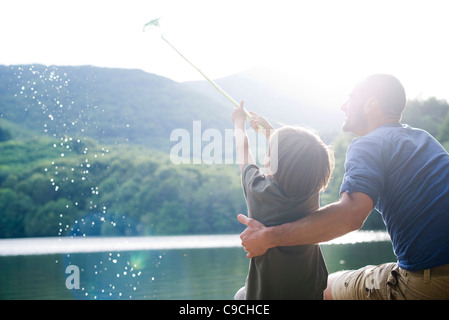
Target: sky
(324,44)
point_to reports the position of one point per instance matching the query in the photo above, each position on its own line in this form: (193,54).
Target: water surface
(184,267)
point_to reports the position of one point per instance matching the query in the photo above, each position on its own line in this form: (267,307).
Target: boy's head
(299,161)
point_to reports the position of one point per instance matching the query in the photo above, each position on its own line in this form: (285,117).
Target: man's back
(405,171)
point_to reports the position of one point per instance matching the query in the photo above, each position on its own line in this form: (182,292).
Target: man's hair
(388,91)
(304,164)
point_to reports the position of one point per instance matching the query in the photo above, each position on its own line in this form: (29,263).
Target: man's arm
(330,222)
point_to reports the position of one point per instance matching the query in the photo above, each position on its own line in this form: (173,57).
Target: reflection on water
(211,272)
(98,244)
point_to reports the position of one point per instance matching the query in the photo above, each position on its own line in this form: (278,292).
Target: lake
(152,268)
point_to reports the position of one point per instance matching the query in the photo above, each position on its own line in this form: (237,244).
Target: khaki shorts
(389,282)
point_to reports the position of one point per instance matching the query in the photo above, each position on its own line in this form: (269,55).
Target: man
(401,171)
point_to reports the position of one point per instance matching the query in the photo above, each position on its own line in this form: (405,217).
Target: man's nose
(344,105)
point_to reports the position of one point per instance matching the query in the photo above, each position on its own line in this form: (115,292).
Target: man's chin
(345,127)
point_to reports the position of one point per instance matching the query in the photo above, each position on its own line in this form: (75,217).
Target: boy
(298,166)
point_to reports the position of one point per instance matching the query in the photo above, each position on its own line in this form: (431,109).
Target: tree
(50,219)
(5,135)
(426,114)
(13,209)
(443,130)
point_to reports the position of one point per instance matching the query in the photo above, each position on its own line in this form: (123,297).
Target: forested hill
(84,151)
(112,106)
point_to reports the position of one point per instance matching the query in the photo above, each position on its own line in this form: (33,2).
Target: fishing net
(153,24)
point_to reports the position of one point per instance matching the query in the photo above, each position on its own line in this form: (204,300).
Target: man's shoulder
(383,136)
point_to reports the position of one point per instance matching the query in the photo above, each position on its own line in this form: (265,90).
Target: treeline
(54,187)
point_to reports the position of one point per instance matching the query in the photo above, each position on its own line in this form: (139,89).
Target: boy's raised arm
(244,155)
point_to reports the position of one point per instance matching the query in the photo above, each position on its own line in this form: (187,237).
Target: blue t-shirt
(405,171)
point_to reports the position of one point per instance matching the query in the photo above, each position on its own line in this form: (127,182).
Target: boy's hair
(302,163)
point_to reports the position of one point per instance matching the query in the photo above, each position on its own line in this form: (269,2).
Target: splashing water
(105,276)
(45,95)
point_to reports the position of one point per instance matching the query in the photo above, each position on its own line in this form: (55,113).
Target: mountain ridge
(278,97)
(110,105)
(117,106)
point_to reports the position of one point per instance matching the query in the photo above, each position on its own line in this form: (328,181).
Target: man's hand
(260,124)
(253,240)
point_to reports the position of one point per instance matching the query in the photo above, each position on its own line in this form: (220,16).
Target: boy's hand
(239,115)
(241,139)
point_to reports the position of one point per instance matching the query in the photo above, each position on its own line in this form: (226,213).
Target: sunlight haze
(326,45)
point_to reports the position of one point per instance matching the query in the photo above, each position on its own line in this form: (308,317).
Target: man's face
(355,120)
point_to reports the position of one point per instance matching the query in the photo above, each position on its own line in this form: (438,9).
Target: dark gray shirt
(295,272)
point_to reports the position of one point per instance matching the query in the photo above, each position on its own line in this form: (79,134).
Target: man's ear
(371,106)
